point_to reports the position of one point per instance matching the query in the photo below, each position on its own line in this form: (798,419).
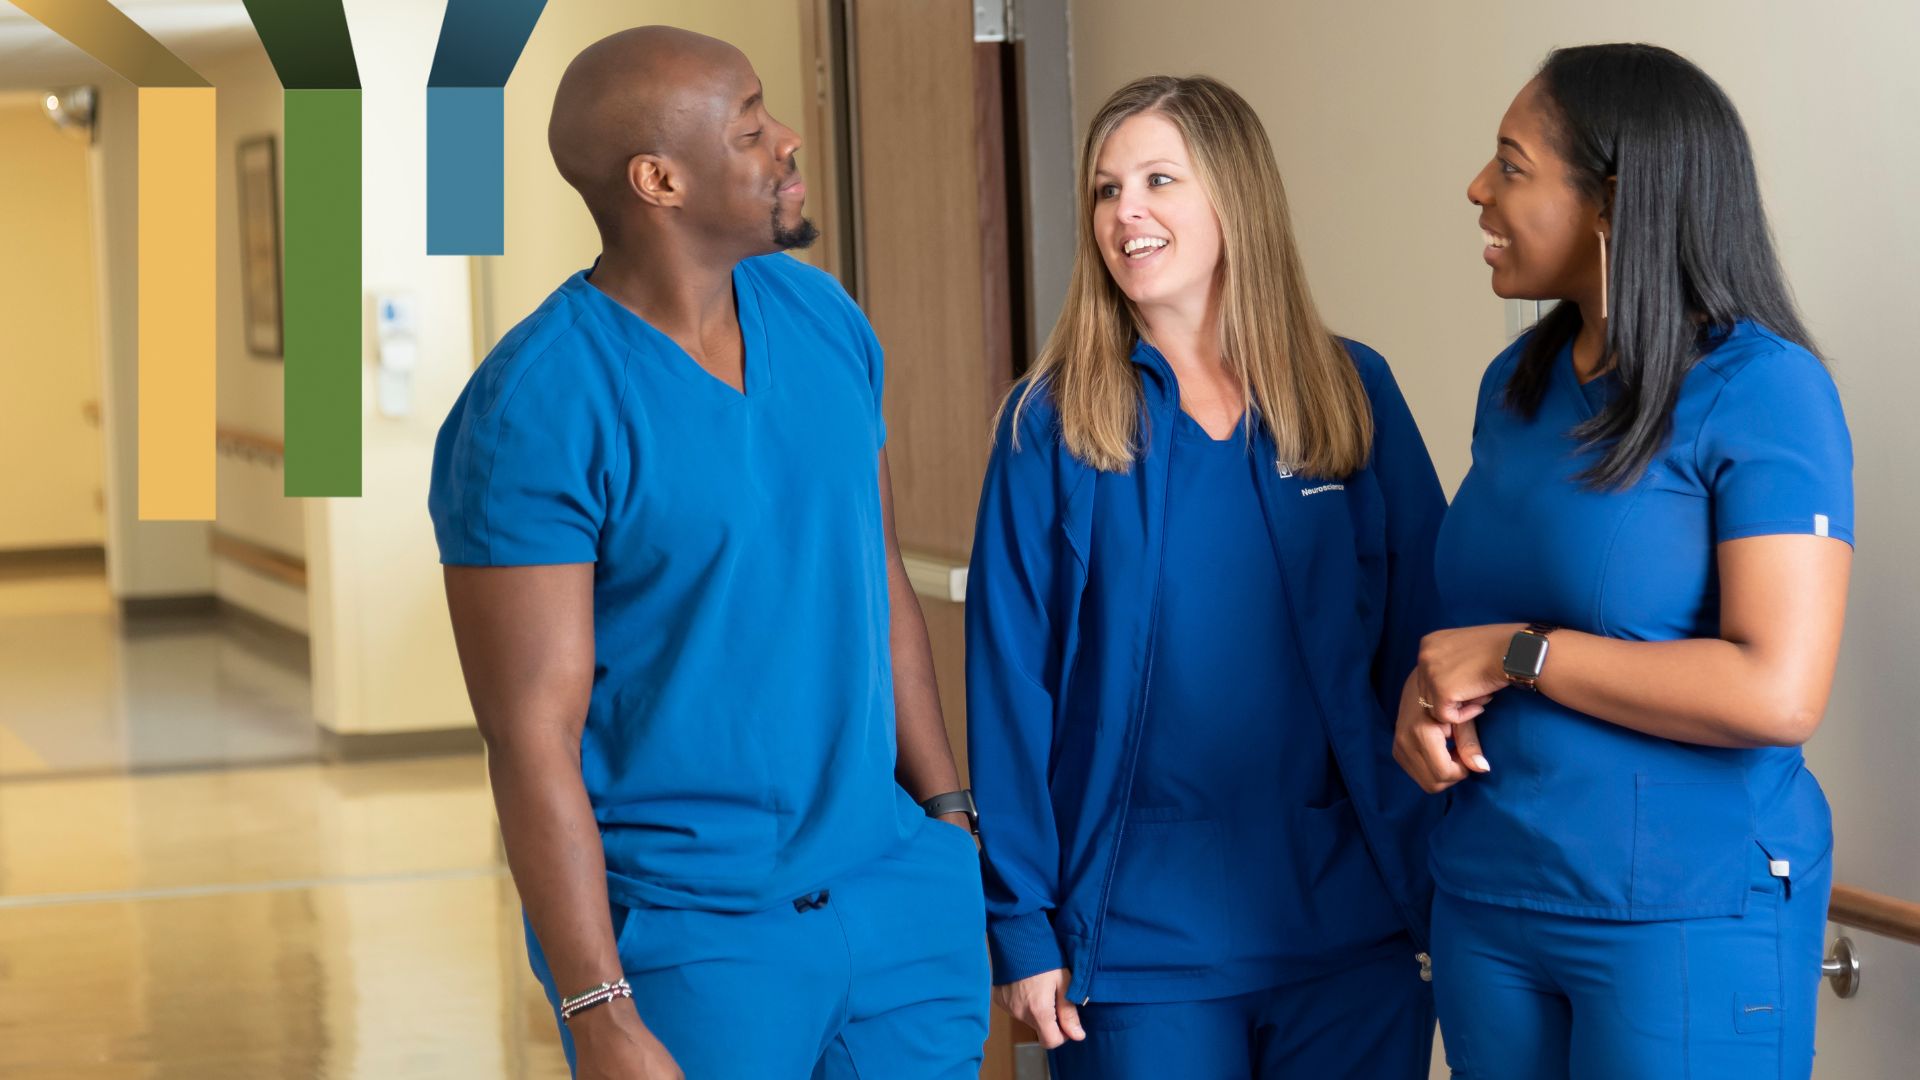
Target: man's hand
(1040,1002)
(610,1043)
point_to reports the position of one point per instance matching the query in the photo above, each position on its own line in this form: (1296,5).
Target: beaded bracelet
(599,995)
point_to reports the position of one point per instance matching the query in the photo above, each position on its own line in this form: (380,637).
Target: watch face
(1526,655)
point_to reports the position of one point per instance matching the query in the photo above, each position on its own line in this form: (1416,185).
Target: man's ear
(655,180)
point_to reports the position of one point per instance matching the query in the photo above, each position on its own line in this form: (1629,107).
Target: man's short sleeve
(521,470)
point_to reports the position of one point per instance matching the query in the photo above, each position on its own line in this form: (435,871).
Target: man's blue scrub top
(1583,817)
(739,744)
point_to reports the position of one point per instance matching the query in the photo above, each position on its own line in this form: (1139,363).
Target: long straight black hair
(1690,252)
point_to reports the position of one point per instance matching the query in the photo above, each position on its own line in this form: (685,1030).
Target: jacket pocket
(1692,847)
(1169,910)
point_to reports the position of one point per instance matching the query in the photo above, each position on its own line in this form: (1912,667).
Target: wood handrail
(260,559)
(250,441)
(1876,913)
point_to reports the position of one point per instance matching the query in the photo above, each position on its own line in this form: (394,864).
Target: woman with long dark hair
(1647,571)
(1202,568)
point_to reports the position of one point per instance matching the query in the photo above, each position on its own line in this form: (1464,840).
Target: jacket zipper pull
(1426,966)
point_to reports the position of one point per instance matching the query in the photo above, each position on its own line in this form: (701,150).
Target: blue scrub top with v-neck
(1588,818)
(739,744)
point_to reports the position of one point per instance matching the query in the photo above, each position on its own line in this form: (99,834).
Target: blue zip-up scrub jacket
(1062,609)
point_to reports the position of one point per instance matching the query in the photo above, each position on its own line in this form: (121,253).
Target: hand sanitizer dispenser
(398,352)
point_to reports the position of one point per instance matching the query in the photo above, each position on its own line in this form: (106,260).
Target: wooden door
(918,158)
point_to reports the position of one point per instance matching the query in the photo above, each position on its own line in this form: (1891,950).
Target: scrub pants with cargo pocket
(1530,995)
(879,976)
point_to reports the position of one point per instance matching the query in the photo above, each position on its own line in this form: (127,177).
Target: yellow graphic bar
(178,155)
(176,339)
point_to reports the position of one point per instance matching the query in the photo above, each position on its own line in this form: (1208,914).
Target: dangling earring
(1603,273)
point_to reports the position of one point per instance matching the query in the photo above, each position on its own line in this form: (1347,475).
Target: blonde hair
(1292,371)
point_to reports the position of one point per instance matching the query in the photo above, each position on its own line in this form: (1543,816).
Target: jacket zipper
(1135,730)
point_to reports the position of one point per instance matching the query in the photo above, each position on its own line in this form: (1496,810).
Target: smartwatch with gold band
(1527,655)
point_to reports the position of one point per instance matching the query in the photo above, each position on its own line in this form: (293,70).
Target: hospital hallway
(188,889)
(246,829)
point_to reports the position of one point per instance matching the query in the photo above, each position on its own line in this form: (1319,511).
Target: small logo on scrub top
(1323,489)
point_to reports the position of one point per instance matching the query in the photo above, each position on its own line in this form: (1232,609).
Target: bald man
(690,642)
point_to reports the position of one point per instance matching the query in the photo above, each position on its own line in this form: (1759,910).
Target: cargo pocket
(1169,908)
(1692,847)
(1758,1005)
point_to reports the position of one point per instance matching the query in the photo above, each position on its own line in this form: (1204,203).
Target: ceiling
(34,58)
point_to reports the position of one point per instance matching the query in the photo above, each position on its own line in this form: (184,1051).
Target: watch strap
(952,802)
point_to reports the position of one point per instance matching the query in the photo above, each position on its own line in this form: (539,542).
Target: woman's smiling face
(1539,232)
(1156,228)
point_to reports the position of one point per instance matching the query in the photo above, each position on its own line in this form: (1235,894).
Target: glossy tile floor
(82,689)
(224,918)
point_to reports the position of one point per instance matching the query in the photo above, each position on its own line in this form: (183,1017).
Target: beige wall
(148,559)
(549,234)
(250,389)
(145,559)
(49,352)
(1380,114)
(383,652)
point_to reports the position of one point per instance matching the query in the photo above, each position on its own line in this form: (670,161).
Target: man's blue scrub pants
(1529,995)
(880,976)
(1371,1022)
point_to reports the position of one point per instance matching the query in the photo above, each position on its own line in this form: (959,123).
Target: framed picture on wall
(260,245)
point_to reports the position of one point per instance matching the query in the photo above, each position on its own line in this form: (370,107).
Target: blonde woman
(1200,576)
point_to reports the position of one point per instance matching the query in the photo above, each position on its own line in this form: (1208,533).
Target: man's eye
(753,134)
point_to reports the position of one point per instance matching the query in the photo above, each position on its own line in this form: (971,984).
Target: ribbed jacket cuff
(1022,945)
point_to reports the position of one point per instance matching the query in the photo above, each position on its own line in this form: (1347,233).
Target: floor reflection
(84,688)
(309,921)
(172,908)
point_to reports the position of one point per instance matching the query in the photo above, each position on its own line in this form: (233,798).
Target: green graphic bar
(313,54)
(323,412)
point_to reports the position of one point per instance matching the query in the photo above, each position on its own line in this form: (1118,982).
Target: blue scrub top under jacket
(1242,866)
(1587,818)
(739,743)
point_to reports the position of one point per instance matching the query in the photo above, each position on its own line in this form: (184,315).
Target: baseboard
(52,562)
(152,607)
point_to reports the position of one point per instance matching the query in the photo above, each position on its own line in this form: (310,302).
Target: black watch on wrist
(1527,655)
(954,802)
